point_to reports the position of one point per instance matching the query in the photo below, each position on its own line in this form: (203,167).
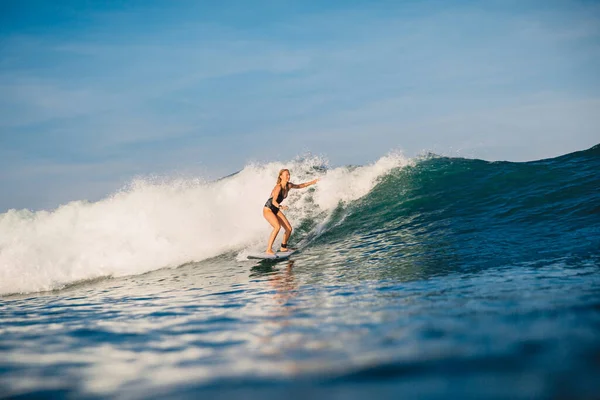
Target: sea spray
(154,224)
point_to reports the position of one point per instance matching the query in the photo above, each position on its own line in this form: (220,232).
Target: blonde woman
(273,210)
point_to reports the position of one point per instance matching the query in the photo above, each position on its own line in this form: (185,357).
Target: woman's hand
(283,207)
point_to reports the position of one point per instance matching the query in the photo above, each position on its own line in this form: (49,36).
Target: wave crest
(153,224)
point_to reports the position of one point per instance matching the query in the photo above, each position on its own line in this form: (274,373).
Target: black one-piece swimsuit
(280,198)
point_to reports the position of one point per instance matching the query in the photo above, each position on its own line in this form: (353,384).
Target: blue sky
(93,93)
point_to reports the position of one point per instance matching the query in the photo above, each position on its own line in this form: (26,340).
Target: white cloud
(418,79)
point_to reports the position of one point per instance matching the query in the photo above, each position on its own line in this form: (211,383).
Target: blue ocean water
(448,278)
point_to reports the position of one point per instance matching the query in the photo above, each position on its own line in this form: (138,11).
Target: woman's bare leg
(274,221)
(287,226)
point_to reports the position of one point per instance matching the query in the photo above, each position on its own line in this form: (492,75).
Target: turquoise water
(449,278)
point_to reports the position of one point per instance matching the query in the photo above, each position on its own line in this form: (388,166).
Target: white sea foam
(154,224)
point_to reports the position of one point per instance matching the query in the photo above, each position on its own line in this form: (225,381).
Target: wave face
(155,224)
(445,215)
(427,216)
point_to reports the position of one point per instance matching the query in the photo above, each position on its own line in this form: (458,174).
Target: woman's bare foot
(271,252)
(286,249)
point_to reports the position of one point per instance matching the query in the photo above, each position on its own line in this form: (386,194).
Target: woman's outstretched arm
(303,185)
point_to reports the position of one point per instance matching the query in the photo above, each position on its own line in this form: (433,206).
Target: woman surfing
(273,210)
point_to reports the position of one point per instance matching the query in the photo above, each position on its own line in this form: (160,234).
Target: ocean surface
(415,278)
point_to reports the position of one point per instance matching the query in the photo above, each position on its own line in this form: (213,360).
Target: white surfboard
(280,255)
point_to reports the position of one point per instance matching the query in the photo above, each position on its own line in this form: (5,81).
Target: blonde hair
(281,171)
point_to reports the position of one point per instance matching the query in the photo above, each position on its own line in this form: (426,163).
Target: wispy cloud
(168,85)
